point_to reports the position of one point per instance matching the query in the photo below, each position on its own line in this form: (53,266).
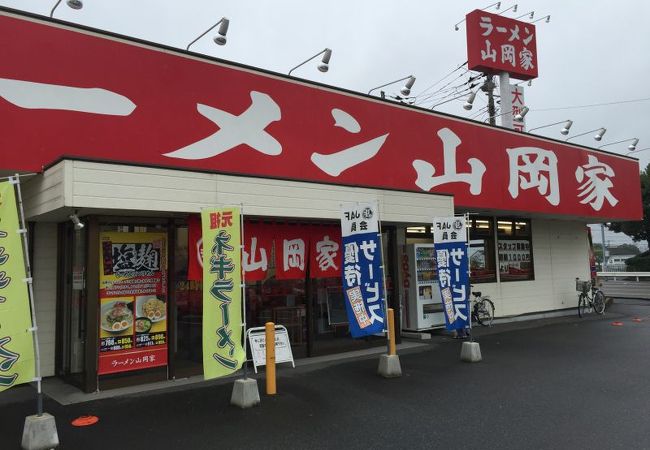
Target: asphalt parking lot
(559,383)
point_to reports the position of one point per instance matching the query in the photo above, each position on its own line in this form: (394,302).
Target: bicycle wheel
(485,312)
(599,302)
(583,305)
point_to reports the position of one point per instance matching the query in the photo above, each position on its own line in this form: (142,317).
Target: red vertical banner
(291,251)
(194,249)
(258,243)
(325,252)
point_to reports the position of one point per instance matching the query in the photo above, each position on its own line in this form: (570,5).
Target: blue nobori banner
(362,268)
(450,244)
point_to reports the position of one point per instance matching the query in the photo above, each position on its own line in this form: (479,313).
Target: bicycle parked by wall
(482,309)
(590,298)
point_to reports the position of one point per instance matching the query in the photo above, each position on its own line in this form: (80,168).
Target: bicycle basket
(582,286)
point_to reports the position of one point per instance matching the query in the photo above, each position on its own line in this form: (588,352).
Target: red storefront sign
(325,252)
(291,251)
(296,246)
(258,243)
(100,98)
(194,249)
(501,44)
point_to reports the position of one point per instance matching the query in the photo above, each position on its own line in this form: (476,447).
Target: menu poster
(133,301)
(514,259)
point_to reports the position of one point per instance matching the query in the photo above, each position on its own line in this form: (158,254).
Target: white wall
(44,272)
(560,254)
(104,187)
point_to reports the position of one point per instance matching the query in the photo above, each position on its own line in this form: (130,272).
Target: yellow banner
(16,342)
(223,353)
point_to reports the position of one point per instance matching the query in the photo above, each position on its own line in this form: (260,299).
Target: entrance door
(73,308)
(188,297)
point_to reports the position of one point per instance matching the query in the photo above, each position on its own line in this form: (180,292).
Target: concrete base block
(40,433)
(470,352)
(416,335)
(389,366)
(245,393)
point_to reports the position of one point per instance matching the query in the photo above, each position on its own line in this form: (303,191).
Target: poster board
(336,313)
(257,343)
(132,301)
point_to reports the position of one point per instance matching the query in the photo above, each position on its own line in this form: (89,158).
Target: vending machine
(423,305)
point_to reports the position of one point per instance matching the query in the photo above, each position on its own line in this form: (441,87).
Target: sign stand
(469,351)
(245,393)
(40,429)
(389,365)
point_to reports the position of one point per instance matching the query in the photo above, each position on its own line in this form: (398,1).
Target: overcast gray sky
(590,53)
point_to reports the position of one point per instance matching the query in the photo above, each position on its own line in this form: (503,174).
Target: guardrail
(625,284)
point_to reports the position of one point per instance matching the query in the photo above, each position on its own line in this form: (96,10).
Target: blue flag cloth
(450,245)
(362,269)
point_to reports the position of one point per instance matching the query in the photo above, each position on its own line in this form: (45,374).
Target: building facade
(134,139)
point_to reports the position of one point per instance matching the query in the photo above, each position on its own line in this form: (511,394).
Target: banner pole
(469,272)
(383,279)
(29,280)
(243,286)
(11,177)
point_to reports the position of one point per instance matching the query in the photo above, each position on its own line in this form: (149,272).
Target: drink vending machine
(423,308)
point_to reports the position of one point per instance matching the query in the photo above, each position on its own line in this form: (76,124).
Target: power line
(444,86)
(430,87)
(636,100)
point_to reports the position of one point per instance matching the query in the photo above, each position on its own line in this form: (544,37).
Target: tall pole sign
(498,45)
(518,101)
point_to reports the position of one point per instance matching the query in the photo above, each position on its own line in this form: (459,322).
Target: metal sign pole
(383,279)
(469,272)
(29,280)
(243,286)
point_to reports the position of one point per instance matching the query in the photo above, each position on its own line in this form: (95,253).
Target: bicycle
(590,297)
(482,309)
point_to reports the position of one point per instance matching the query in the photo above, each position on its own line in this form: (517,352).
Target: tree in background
(638,231)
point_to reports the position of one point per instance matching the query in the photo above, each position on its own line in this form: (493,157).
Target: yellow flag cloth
(223,353)
(16,342)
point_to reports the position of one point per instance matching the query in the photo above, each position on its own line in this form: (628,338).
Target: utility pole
(488,88)
(602,237)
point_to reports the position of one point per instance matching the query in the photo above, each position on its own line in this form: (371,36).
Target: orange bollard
(270,358)
(391,332)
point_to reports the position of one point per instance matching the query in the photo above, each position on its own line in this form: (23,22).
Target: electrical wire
(636,100)
(443,78)
(449,92)
(452,81)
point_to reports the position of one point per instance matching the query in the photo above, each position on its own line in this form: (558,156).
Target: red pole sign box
(500,44)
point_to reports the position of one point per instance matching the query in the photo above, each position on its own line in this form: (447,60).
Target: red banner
(501,44)
(291,251)
(168,109)
(194,249)
(325,252)
(258,243)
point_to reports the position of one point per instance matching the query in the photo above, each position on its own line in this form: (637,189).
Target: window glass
(515,250)
(481,250)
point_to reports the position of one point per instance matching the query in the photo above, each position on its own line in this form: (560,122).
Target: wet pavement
(555,383)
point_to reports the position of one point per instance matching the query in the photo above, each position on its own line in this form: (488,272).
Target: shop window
(515,249)
(481,250)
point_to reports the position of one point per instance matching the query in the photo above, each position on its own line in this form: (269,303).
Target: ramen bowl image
(116,316)
(151,307)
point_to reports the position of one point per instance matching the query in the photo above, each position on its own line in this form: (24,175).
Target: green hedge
(640,263)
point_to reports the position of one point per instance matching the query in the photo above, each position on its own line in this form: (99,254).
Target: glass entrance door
(188,298)
(73,336)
